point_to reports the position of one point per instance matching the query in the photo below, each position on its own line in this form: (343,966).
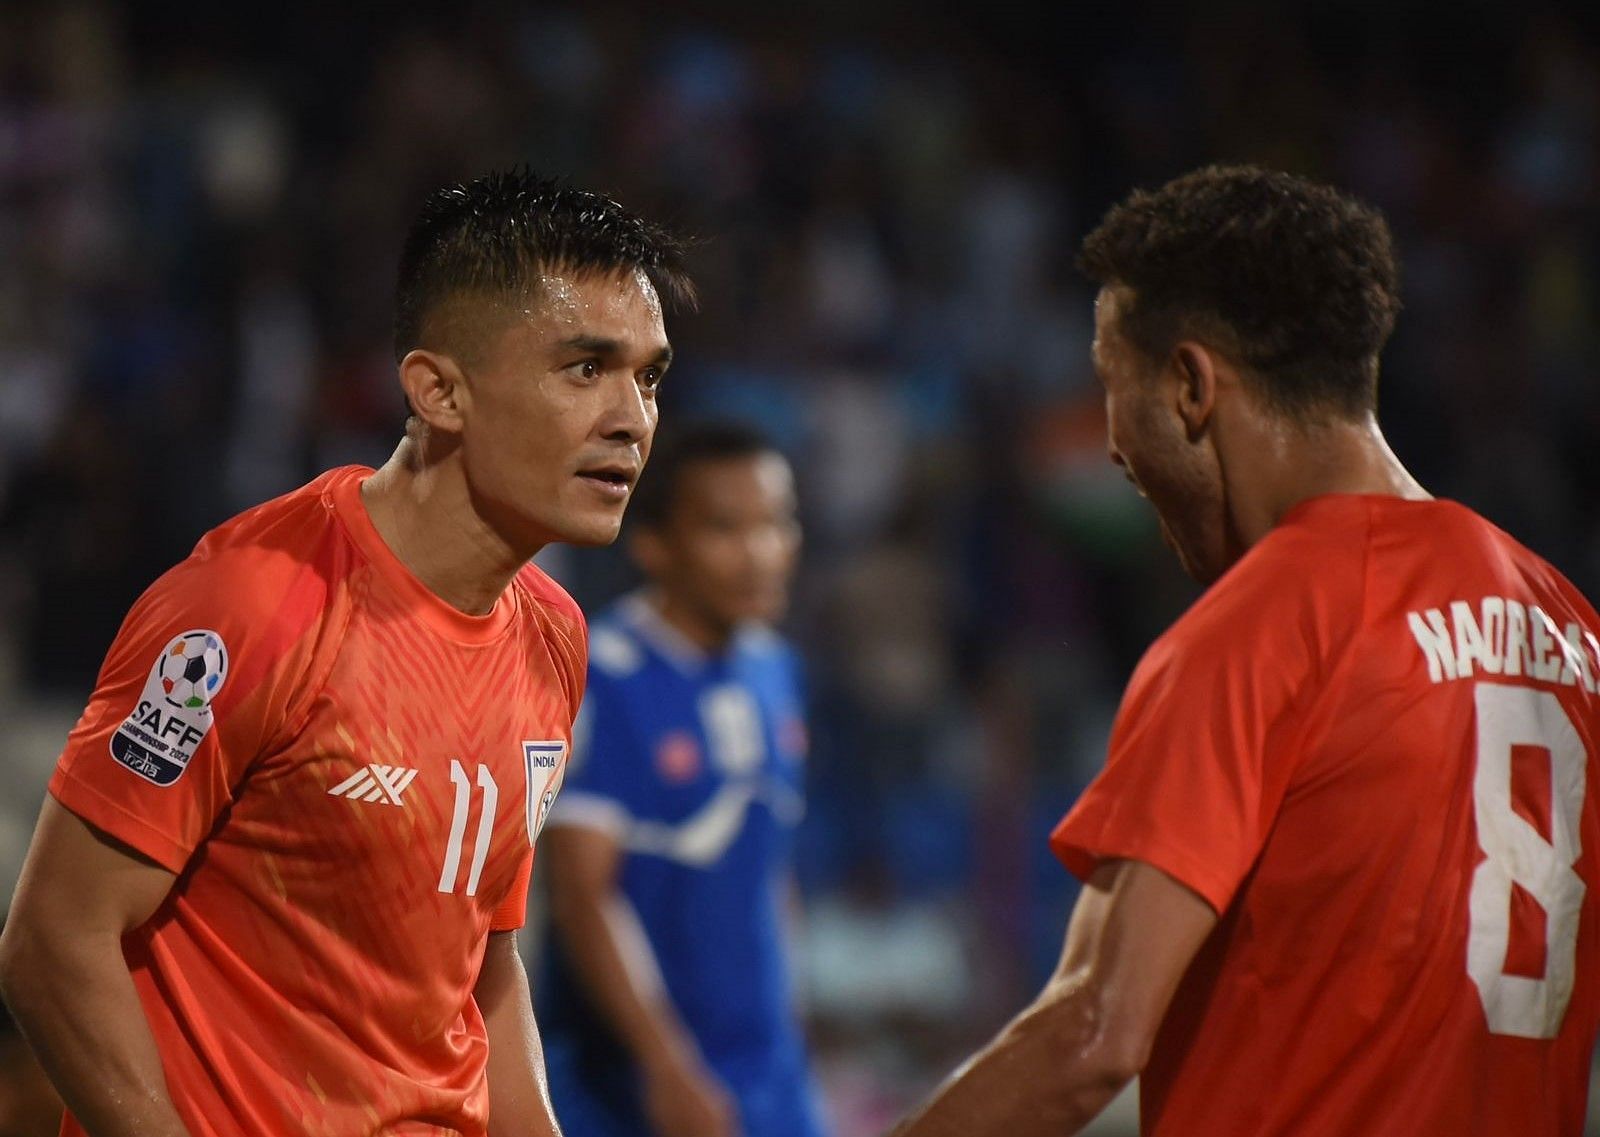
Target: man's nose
(630,416)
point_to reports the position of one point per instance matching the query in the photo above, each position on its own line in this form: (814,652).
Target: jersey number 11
(458,827)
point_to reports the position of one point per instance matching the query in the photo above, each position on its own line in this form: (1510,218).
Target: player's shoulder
(1439,527)
(1450,530)
(284,525)
(617,650)
(288,551)
(549,598)
(1304,582)
(763,641)
(561,622)
(1482,554)
(255,590)
(766,649)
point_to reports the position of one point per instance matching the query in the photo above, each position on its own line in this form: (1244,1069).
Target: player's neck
(710,636)
(425,515)
(1287,466)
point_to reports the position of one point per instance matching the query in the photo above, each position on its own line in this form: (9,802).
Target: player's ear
(434,386)
(1196,367)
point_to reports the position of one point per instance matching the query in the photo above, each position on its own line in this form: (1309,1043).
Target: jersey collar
(644,619)
(426,605)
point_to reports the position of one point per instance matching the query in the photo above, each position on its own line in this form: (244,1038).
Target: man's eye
(650,378)
(589,368)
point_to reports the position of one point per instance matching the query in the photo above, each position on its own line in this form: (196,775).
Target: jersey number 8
(1518,854)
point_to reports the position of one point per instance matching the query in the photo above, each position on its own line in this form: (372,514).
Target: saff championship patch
(174,716)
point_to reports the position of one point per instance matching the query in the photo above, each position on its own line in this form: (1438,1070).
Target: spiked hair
(493,237)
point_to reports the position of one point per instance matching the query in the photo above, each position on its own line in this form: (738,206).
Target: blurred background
(199,220)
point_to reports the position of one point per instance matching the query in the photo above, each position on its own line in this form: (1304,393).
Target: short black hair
(1303,280)
(494,236)
(678,448)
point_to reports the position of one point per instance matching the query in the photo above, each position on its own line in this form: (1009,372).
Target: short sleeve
(566,631)
(578,663)
(512,912)
(199,682)
(1208,736)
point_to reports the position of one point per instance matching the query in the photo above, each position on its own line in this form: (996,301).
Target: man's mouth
(613,481)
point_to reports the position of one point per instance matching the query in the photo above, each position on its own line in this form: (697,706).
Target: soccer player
(1342,866)
(666,1004)
(275,887)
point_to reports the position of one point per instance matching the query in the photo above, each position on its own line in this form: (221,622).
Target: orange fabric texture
(1311,748)
(357,816)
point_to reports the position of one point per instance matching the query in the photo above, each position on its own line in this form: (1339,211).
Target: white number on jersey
(733,728)
(458,827)
(1518,854)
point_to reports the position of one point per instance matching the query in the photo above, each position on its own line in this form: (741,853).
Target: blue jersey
(693,763)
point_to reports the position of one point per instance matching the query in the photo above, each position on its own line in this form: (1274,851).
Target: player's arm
(613,959)
(519,1097)
(1089,1032)
(63,975)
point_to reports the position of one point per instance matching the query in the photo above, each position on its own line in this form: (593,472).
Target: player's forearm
(1047,1074)
(76,1003)
(618,970)
(519,1096)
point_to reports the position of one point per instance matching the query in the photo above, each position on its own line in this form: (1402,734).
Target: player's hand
(684,1099)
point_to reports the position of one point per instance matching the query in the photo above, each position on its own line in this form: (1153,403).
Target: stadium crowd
(197,232)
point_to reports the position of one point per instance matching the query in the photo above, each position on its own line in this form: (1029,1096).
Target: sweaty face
(726,550)
(560,408)
(1149,439)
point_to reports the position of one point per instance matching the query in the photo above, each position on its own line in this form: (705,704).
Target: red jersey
(347,774)
(1371,747)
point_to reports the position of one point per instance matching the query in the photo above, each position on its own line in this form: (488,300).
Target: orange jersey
(347,775)
(1371,747)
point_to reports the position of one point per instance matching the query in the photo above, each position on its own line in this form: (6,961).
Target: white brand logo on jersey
(382,784)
